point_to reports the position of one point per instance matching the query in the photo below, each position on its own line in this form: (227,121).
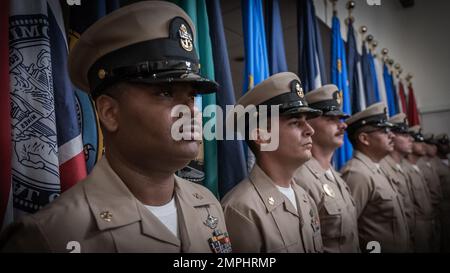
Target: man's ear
(364,139)
(108,112)
(261,136)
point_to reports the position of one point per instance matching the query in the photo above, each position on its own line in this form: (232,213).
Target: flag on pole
(311,62)
(208,161)
(402,97)
(229,152)
(256,61)
(380,79)
(357,103)
(277,54)
(5,120)
(80,18)
(339,78)
(395,92)
(256,67)
(390,91)
(413,112)
(41,157)
(72,166)
(369,75)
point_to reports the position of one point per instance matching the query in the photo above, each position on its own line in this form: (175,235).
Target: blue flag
(277,54)
(256,61)
(390,91)
(369,85)
(310,55)
(353,76)
(339,78)
(230,153)
(373,76)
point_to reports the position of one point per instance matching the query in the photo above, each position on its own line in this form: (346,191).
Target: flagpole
(333,5)
(373,46)
(363,31)
(384,54)
(350,7)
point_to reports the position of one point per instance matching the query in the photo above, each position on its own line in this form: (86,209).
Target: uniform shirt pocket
(330,220)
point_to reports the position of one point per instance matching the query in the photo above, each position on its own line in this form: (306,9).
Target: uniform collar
(393,164)
(366,161)
(109,198)
(269,194)
(315,168)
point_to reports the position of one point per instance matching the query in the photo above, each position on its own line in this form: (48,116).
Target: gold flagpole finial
(350,6)
(374,45)
(398,70)
(363,31)
(409,77)
(384,54)
(333,3)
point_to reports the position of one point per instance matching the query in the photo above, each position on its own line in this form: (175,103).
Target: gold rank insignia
(185,38)
(328,190)
(299,90)
(101,74)
(106,215)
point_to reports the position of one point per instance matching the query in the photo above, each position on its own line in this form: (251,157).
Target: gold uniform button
(101,74)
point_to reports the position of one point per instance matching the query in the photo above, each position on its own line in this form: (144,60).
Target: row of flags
(50,136)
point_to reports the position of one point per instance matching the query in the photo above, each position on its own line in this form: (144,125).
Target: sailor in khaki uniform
(431,175)
(392,166)
(423,209)
(443,169)
(137,63)
(381,215)
(427,165)
(431,180)
(268,212)
(337,211)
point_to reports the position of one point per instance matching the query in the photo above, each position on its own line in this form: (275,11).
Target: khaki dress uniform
(100,214)
(337,210)
(261,219)
(423,209)
(400,179)
(381,215)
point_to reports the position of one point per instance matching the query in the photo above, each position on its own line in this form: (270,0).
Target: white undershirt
(289,193)
(329,173)
(167,214)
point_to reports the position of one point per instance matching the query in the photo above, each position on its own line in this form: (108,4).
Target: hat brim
(307,111)
(336,113)
(200,84)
